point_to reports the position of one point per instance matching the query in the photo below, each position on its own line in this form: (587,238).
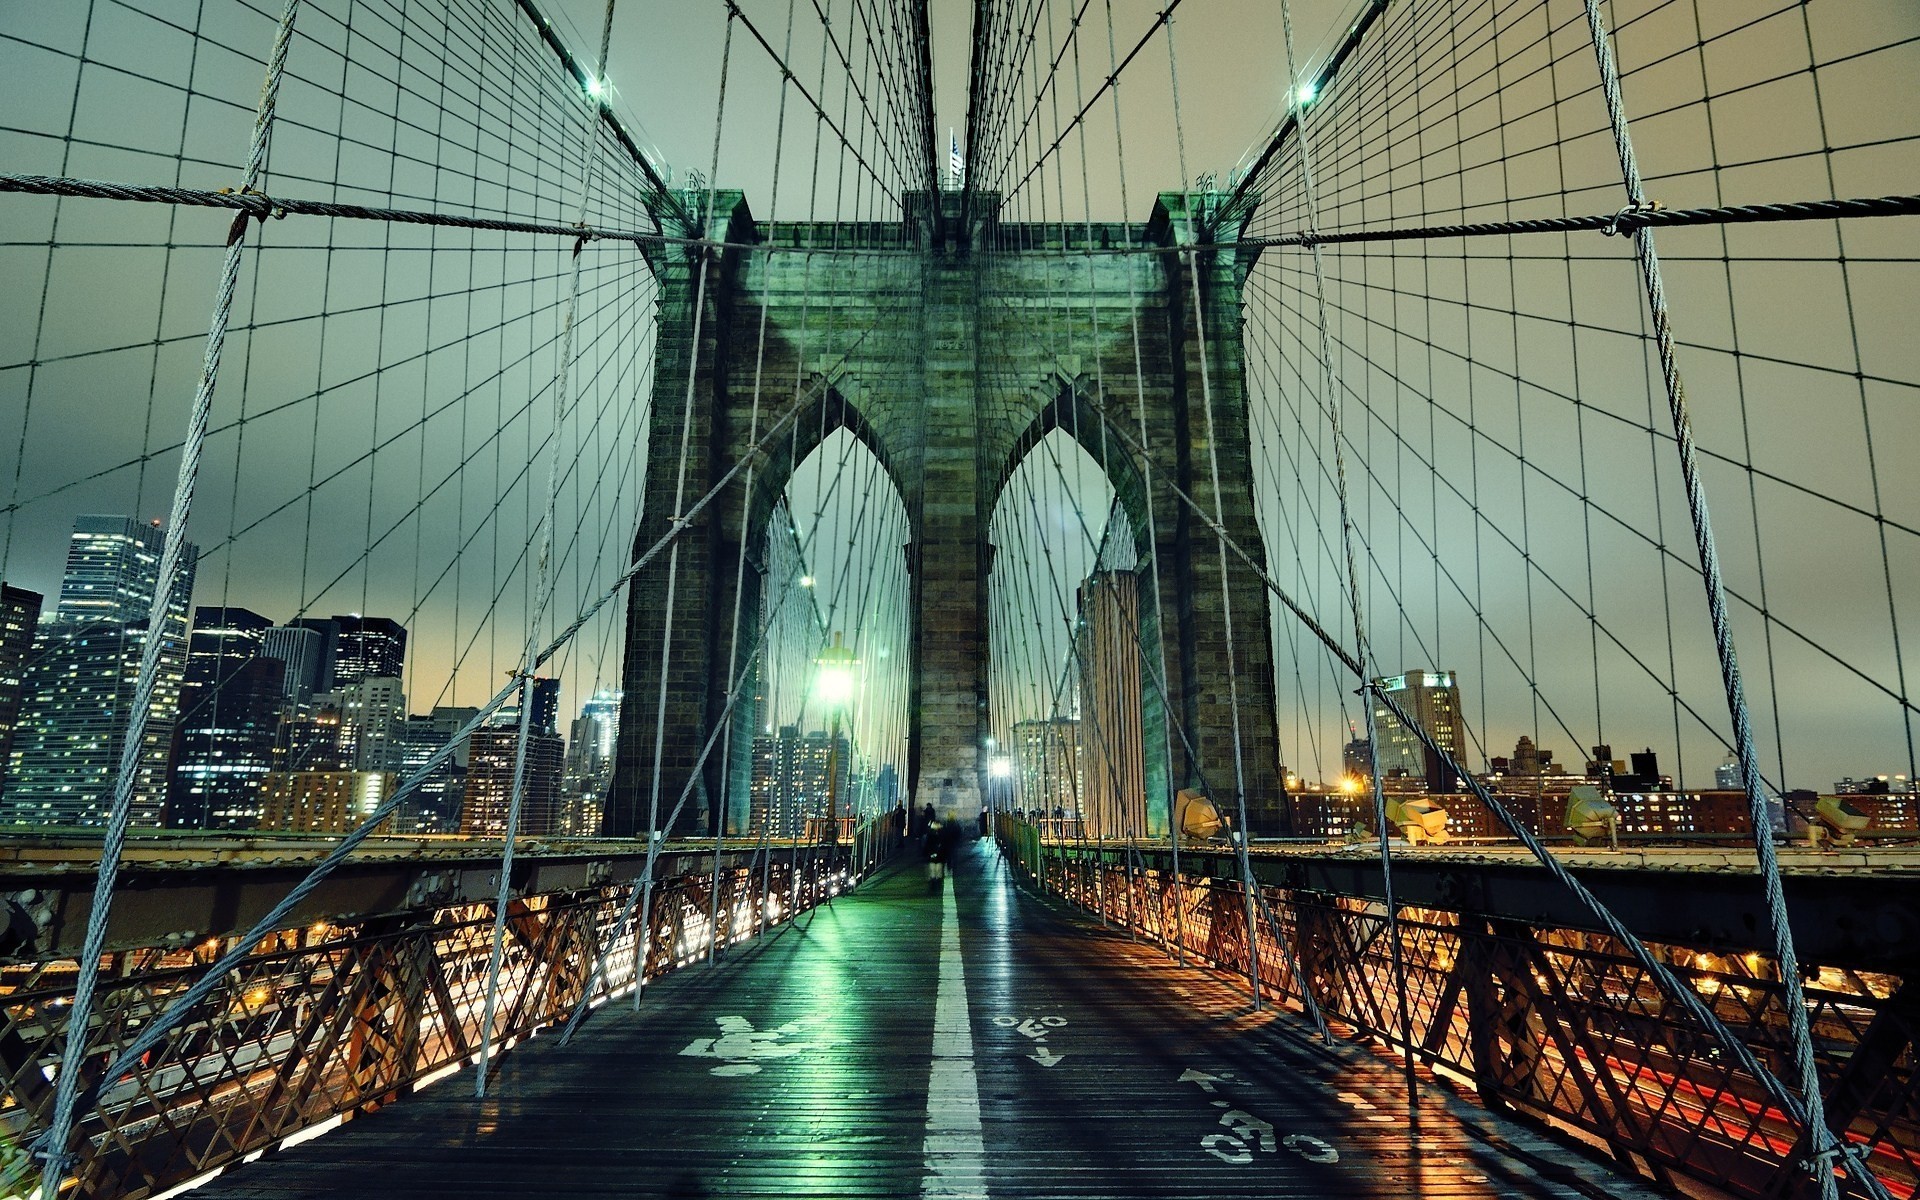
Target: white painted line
(955,1156)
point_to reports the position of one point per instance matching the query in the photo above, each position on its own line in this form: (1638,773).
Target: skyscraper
(1112,753)
(327,630)
(368,647)
(1433,699)
(113,566)
(790,782)
(229,715)
(434,806)
(371,709)
(489,794)
(78,692)
(546,707)
(304,652)
(1727,774)
(589,765)
(19,614)
(603,709)
(1047,754)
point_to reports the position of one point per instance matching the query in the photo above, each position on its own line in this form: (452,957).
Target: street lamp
(1000,776)
(833,685)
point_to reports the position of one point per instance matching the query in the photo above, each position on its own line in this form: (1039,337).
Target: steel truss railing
(1559,1027)
(328,1021)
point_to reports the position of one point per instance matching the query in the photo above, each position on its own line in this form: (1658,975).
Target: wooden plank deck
(1062,1060)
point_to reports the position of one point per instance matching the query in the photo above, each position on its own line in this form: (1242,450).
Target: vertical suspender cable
(643,936)
(1146,487)
(1824,1147)
(746,507)
(1334,406)
(563,377)
(52,1148)
(1192,260)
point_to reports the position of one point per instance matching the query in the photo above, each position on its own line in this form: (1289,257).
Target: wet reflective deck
(977,1041)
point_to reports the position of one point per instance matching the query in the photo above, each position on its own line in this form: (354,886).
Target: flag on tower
(956,167)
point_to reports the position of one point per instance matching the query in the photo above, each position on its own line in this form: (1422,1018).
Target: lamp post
(834,686)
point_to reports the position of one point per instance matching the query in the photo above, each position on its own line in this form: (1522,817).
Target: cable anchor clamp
(1834,1153)
(262,212)
(1625,216)
(57,1160)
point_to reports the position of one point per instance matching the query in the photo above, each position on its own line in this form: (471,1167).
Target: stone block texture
(950,345)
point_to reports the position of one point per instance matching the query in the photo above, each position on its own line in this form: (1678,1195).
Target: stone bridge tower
(950,346)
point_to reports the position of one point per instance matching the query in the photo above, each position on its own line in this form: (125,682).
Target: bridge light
(806,581)
(596,87)
(1306,92)
(1001,767)
(833,683)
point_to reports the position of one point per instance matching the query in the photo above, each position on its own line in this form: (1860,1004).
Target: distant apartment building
(1112,759)
(321,801)
(1432,698)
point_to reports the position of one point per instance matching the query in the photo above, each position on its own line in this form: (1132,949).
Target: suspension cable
(52,1147)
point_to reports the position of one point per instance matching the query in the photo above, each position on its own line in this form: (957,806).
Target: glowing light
(806,581)
(834,682)
(835,686)
(596,88)
(1001,767)
(1350,785)
(1306,92)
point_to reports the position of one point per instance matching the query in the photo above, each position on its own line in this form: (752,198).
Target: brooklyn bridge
(1101,554)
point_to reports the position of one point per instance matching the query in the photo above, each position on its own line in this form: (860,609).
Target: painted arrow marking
(1046,1057)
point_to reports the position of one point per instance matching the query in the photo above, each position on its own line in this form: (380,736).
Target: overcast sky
(433,353)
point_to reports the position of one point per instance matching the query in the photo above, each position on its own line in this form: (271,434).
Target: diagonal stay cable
(159,1026)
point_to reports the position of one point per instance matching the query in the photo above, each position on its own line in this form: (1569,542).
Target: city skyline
(308,742)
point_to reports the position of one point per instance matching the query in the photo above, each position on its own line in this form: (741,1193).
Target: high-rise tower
(229,712)
(19,614)
(78,690)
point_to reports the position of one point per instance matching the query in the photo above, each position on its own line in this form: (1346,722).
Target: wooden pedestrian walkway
(977,1041)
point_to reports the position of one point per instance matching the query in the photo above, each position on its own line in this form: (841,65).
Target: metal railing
(326,1020)
(1555,1025)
